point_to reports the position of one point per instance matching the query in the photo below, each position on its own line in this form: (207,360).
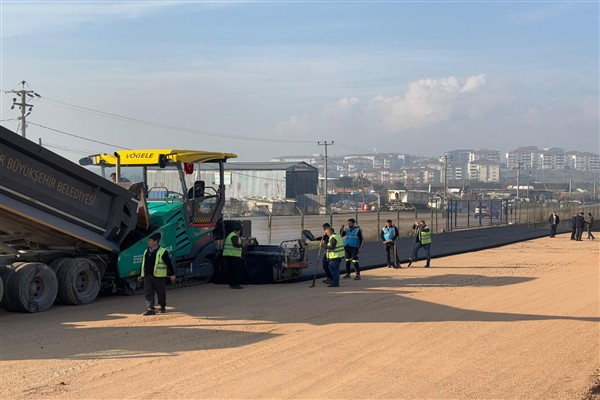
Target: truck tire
(1,289)
(78,281)
(32,287)
(56,265)
(5,273)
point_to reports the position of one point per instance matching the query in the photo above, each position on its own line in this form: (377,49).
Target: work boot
(162,310)
(149,311)
(427,265)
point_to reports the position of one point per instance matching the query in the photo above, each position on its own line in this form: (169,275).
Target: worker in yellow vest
(423,240)
(156,266)
(334,251)
(232,254)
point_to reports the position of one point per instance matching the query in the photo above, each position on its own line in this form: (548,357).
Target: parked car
(485,212)
(481,211)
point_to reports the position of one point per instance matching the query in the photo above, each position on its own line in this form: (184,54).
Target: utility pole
(23,93)
(528,183)
(325,143)
(445,156)
(518,177)
(445,197)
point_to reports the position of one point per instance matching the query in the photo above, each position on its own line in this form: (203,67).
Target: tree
(399,185)
(378,187)
(345,182)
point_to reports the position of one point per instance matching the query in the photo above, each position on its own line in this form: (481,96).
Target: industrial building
(268,180)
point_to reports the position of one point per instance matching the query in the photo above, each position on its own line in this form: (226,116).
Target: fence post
(378,220)
(301,219)
(468,213)
(330,212)
(268,223)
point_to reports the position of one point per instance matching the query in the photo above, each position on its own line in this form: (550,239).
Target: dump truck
(68,234)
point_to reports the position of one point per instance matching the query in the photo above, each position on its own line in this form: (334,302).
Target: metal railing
(458,215)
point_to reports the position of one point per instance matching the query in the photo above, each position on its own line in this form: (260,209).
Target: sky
(264,79)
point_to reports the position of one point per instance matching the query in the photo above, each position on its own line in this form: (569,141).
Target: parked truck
(68,233)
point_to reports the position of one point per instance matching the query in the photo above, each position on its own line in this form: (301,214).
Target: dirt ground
(516,322)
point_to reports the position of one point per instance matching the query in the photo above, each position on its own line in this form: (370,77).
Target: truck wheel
(56,265)
(78,281)
(5,273)
(32,287)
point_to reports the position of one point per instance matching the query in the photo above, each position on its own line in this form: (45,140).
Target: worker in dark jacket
(574,227)
(579,225)
(589,223)
(156,267)
(232,254)
(554,220)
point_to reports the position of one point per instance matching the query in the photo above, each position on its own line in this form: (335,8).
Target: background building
(272,180)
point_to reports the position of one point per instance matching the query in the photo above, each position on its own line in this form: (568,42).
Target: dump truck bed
(47,201)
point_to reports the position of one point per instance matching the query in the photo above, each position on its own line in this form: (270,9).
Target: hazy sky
(270,78)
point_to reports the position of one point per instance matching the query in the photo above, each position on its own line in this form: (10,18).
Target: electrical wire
(163,126)
(77,136)
(68,148)
(362,151)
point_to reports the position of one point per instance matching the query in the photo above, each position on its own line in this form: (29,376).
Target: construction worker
(554,221)
(589,223)
(579,225)
(389,234)
(232,254)
(423,239)
(156,266)
(353,242)
(334,251)
(325,263)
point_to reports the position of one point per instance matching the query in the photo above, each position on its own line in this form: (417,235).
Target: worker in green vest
(156,266)
(423,240)
(232,254)
(334,251)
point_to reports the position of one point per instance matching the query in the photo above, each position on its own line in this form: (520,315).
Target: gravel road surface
(514,322)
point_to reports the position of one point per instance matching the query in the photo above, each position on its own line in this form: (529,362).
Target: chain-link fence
(462,214)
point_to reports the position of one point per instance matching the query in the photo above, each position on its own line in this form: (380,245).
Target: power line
(68,148)
(79,137)
(163,126)
(356,148)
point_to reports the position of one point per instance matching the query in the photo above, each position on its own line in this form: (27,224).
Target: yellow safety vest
(160,268)
(229,250)
(425,236)
(338,251)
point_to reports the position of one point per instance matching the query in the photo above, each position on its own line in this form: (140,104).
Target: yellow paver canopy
(151,157)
